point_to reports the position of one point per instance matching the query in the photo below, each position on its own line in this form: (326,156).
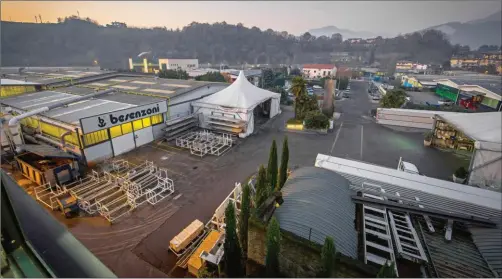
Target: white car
(445,103)
(407,167)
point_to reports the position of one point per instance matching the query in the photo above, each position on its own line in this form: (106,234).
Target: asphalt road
(360,138)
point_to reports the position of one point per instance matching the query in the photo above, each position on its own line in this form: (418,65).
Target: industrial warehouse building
(101,126)
(16,81)
(485,89)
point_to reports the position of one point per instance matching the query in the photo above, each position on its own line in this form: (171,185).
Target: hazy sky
(296,17)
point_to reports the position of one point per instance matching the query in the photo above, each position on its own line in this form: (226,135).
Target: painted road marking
(177,197)
(336,138)
(362,130)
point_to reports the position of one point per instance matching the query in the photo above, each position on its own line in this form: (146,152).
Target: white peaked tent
(231,109)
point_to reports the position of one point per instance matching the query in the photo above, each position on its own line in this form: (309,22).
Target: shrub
(394,98)
(316,120)
(461,172)
(428,135)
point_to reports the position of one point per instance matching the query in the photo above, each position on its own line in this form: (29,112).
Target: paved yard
(138,245)
(422,97)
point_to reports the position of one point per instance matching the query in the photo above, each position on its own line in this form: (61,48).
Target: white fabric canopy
(241,94)
(482,127)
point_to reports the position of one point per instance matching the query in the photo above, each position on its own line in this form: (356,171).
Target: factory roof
(49,75)
(151,86)
(133,99)
(68,114)
(10,82)
(446,257)
(480,255)
(489,82)
(317,204)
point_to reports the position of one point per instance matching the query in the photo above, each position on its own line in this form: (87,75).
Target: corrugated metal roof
(489,243)
(317,204)
(457,258)
(46,151)
(434,192)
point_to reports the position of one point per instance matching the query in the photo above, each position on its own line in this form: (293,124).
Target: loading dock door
(123,144)
(143,136)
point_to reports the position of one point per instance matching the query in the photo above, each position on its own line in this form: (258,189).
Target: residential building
(408,66)
(146,66)
(313,71)
(354,40)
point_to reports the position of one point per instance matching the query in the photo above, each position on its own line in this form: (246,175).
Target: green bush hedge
(316,120)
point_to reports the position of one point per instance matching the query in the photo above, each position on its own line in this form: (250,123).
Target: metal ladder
(407,242)
(376,225)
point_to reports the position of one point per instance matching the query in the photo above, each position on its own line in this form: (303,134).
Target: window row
(123,129)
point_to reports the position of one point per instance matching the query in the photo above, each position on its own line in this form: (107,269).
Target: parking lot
(423,97)
(137,246)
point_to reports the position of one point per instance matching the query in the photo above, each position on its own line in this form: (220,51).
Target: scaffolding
(201,143)
(115,192)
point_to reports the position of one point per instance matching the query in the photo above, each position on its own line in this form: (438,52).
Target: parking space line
(336,138)
(362,135)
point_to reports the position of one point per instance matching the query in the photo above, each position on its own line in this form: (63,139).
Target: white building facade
(313,71)
(174,64)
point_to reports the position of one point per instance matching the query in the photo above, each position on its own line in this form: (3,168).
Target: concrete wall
(406,118)
(410,118)
(157,131)
(298,257)
(98,152)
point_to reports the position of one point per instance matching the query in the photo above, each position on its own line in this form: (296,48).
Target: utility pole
(36,19)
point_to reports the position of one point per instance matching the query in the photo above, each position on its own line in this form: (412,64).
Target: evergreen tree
(387,271)
(328,258)
(244,218)
(262,189)
(272,167)
(233,267)
(283,171)
(273,248)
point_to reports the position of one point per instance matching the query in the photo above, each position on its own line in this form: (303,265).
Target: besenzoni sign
(114,118)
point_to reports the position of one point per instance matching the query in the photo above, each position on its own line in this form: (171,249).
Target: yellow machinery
(195,263)
(186,236)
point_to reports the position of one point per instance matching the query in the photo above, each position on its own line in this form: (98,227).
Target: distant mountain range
(346,33)
(484,31)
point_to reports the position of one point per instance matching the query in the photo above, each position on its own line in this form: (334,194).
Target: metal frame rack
(205,142)
(115,192)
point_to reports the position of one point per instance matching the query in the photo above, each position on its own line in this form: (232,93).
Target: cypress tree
(328,258)
(273,249)
(244,218)
(283,171)
(272,167)
(262,189)
(387,271)
(233,267)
